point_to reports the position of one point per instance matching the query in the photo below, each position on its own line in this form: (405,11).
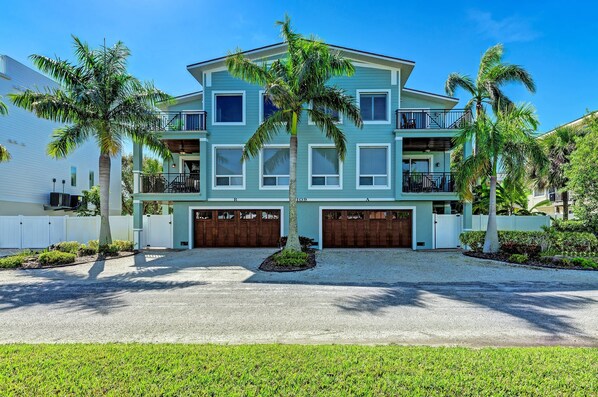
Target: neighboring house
(395,176)
(30,177)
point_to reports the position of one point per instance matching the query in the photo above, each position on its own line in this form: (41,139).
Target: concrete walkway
(352,296)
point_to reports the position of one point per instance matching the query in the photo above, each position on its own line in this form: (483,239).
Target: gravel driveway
(352,296)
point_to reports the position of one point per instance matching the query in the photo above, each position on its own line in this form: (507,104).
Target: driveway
(352,296)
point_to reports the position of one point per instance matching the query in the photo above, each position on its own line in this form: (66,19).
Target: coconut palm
(558,145)
(296,85)
(505,145)
(493,73)
(4,154)
(99,101)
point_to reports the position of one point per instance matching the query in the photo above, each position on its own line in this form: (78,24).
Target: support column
(398,177)
(467,208)
(137,224)
(137,167)
(203,168)
(447,207)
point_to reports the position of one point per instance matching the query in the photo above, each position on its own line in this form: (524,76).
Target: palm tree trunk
(565,197)
(293,243)
(105,235)
(491,243)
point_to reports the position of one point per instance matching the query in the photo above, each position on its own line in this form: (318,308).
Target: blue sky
(556,41)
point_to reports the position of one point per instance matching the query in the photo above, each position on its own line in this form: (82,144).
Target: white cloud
(509,29)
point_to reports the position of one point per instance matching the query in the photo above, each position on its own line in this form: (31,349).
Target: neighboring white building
(26,181)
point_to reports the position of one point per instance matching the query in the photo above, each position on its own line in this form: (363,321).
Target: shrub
(530,249)
(124,245)
(518,258)
(473,240)
(305,242)
(10,262)
(291,258)
(95,244)
(71,247)
(577,226)
(56,258)
(571,241)
(86,250)
(108,250)
(586,263)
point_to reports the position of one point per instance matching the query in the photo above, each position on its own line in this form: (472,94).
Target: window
(267,107)
(275,167)
(421,166)
(539,192)
(336,116)
(374,106)
(73,176)
(229,107)
(325,168)
(229,168)
(373,163)
(92,179)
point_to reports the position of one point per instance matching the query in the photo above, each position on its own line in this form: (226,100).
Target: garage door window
(374,167)
(325,168)
(203,215)
(275,168)
(226,215)
(229,168)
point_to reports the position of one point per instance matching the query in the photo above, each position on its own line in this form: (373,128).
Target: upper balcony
(432,119)
(186,120)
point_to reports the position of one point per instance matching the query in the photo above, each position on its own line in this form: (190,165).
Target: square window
(268,108)
(228,108)
(373,106)
(229,170)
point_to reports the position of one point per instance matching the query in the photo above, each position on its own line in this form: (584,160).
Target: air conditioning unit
(60,199)
(75,201)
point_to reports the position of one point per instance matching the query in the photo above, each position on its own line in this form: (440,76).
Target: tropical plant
(510,200)
(493,73)
(4,154)
(505,144)
(91,196)
(293,83)
(100,101)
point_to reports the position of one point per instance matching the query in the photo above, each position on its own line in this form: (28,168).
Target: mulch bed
(80,260)
(550,263)
(270,265)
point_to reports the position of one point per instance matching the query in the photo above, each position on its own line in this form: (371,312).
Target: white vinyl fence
(504,222)
(42,231)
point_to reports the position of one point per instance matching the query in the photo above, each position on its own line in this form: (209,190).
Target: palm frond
(456,80)
(325,122)
(490,58)
(507,73)
(4,154)
(265,132)
(66,139)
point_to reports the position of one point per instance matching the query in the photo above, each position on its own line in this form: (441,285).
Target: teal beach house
(395,176)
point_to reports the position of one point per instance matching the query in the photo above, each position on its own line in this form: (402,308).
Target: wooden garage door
(367,228)
(236,228)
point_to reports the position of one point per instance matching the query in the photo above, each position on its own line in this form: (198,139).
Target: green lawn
(292,370)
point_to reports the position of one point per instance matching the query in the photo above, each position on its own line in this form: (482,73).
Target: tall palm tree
(493,73)
(506,145)
(558,145)
(100,101)
(4,154)
(293,83)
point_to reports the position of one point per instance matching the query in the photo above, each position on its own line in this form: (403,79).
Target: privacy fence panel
(505,222)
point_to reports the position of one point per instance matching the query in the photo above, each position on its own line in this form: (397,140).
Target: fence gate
(447,229)
(157,231)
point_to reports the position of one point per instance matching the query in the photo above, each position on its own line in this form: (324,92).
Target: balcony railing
(182,121)
(170,183)
(428,182)
(434,119)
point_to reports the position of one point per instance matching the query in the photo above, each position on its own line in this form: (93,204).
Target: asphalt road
(353,296)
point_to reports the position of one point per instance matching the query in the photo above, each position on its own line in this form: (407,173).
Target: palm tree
(493,73)
(506,145)
(558,145)
(293,83)
(100,101)
(4,154)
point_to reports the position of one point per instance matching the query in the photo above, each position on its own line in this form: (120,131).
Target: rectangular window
(92,179)
(275,167)
(268,108)
(228,108)
(336,116)
(229,169)
(421,166)
(539,192)
(73,176)
(373,166)
(325,167)
(374,106)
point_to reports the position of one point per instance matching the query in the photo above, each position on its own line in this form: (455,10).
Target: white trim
(388,167)
(393,77)
(261,169)
(371,66)
(310,122)
(231,93)
(208,79)
(388,207)
(241,207)
(398,138)
(311,146)
(186,157)
(388,103)
(232,146)
(261,106)
(399,89)
(414,91)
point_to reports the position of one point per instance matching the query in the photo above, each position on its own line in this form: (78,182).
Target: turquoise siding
(195,104)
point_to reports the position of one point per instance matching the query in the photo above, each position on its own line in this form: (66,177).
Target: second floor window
(229,169)
(268,108)
(73,176)
(228,108)
(325,168)
(275,167)
(336,116)
(374,106)
(92,179)
(373,167)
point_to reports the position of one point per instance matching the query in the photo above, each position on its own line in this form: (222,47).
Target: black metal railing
(170,183)
(188,120)
(428,182)
(424,119)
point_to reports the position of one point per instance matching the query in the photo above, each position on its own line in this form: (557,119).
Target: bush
(571,241)
(586,263)
(108,250)
(305,242)
(291,258)
(86,250)
(518,258)
(473,240)
(577,226)
(10,262)
(94,244)
(530,249)
(71,247)
(56,258)
(124,245)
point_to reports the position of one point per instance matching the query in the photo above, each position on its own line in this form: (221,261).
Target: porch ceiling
(182,145)
(431,144)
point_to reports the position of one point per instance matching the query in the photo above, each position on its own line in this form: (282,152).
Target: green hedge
(10,262)
(56,258)
(71,247)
